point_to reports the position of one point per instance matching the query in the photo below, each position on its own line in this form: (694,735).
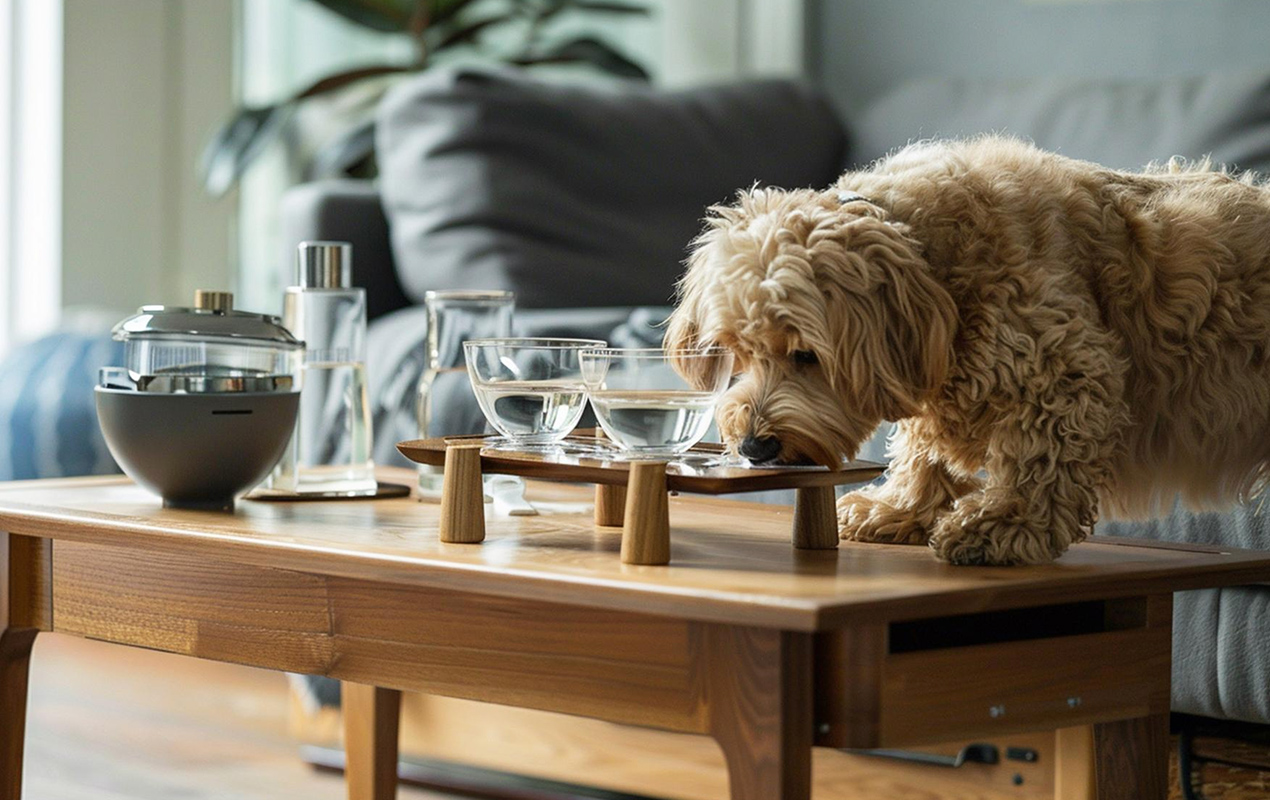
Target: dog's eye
(805,357)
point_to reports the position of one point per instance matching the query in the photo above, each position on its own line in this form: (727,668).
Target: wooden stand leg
(646,522)
(610,505)
(1131,758)
(815,518)
(760,705)
(462,498)
(371,718)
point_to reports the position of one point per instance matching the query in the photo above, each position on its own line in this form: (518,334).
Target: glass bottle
(330,453)
(446,404)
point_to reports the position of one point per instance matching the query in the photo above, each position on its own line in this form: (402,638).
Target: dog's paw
(863,518)
(978,533)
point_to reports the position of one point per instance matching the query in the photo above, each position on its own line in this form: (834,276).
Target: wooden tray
(680,476)
(632,494)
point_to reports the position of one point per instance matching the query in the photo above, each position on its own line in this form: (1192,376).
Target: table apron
(620,666)
(1013,672)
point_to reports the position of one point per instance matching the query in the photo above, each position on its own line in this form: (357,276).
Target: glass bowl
(652,401)
(531,390)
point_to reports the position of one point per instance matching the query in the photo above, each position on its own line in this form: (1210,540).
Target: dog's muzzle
(760,449)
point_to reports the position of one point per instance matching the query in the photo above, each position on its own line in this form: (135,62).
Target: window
(30,168)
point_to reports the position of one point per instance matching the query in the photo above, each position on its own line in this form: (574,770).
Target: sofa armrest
(347,211)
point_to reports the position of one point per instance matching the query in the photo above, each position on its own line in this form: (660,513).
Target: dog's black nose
(760,449)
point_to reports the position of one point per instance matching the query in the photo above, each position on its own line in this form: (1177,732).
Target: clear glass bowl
(530,390)
(652,401)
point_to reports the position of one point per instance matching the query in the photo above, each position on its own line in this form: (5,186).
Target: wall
(145,82)
(861,47)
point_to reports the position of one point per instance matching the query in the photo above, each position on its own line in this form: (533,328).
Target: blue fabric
(48,422)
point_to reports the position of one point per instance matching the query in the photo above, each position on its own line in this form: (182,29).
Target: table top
(731,561)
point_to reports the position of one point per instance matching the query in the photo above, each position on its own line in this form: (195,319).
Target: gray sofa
(583,201)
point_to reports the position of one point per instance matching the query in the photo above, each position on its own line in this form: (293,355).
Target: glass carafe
(446,404)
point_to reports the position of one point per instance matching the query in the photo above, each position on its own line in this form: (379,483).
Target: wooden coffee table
(769,649)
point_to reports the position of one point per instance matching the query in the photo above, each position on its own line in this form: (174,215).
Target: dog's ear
(923,321)
(683,328)
(895,321)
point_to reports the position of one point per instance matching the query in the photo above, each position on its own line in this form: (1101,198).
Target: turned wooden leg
(26,607)
(1131,758)
(462,497)
(610,505)
(371,717)
(815,518)
(646,521)
(758,690)
(15,659)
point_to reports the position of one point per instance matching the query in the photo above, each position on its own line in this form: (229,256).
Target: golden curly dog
(1076,335)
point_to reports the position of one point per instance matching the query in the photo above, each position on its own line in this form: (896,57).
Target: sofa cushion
(1120,124)
(579,195)
(48,420)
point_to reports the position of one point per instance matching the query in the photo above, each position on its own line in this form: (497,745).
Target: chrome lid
(212,317)
(206,348)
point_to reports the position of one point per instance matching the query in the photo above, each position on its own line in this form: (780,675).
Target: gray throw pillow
(579,195)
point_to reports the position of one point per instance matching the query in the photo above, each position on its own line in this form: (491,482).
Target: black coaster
(383,491)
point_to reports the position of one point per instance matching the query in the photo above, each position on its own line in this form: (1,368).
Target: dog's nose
(760,449)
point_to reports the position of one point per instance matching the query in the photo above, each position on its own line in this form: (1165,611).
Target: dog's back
(1173,263)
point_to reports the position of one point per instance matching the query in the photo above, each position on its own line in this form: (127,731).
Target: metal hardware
(976,753)
(1073,702)
(823,729)
(1022,754)
(996,712)
(213,301)
(325,265)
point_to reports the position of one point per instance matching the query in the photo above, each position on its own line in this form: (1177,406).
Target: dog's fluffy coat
(1076,336)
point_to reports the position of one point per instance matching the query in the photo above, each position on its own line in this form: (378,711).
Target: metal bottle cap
(214,301)
(325,265)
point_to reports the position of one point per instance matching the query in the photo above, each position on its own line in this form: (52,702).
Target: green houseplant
(519,32)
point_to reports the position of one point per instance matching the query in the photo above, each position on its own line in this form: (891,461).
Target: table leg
(758,690)
(15,658)
(371,717)
(1131,758)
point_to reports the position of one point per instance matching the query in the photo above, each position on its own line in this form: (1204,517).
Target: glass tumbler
(446,403)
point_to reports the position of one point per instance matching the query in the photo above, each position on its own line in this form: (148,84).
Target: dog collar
(852,197)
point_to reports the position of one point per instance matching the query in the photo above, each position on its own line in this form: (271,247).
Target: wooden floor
(114,723)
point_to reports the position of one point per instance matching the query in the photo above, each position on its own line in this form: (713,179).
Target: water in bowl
(532,412)
(654,420)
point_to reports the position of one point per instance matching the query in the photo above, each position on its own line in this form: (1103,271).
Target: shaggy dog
(1050,335)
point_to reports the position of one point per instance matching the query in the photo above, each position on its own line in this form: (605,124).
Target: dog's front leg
(1045,464)
(919,487)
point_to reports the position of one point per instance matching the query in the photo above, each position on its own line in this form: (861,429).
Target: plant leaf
(608,8)
(586,50)
(341,79)
(443,10)
(238,142)
(389,16)
(467,33)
